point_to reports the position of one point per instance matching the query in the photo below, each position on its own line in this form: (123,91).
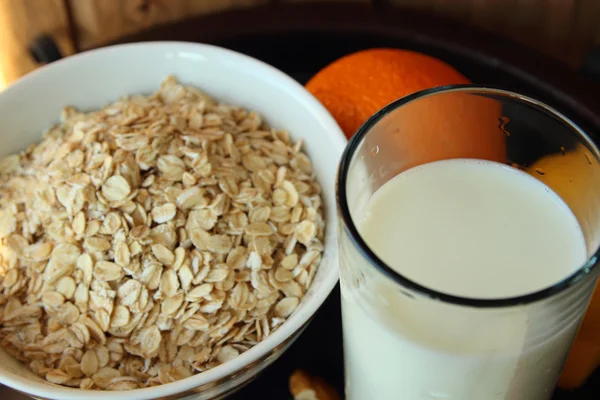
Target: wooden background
(563,29)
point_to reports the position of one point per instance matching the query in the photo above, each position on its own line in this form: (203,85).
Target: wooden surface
(563,29)
(20,22)
(100,21)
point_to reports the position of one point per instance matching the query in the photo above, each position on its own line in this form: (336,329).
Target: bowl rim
(295,322)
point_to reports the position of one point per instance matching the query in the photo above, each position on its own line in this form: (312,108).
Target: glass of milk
(469,234)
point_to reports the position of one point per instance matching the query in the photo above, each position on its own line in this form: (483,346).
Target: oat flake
(153,239)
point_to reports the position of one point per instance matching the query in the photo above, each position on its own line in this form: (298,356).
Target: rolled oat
(153,239)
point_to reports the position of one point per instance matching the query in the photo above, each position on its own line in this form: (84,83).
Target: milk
(473,229)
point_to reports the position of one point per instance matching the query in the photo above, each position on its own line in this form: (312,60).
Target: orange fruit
(356,86)
(575,177)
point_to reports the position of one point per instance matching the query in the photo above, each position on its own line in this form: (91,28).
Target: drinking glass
(406,341)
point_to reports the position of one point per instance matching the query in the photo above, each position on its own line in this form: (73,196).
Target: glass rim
(348,224)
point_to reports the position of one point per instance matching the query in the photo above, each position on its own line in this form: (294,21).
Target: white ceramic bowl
(95,78)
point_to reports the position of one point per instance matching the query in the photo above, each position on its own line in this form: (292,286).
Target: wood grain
(99,22)
(585,31)
(20,22)
(321,1)
(563,29)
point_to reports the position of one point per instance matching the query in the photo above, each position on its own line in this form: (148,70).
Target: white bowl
(95,78)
